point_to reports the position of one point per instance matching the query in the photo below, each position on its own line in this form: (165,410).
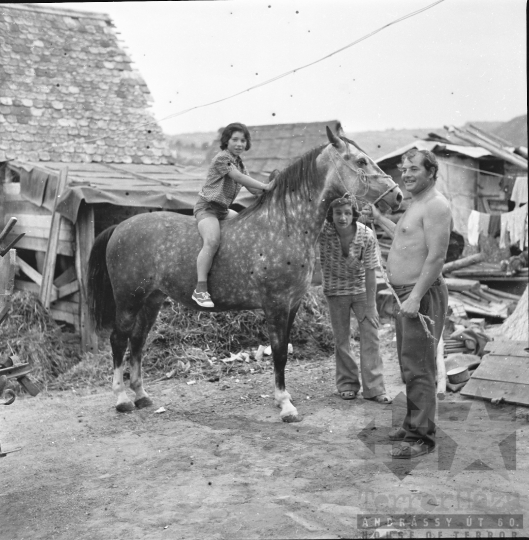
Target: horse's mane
(298,176)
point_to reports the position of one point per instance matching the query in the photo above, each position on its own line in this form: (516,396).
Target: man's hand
(410,308)
(372,316)
(370,213)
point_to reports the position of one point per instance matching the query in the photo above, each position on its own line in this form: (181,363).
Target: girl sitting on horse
(225,176)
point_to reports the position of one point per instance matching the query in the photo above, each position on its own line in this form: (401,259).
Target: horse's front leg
(279,324)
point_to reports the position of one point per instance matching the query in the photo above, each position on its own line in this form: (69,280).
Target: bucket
(458,375)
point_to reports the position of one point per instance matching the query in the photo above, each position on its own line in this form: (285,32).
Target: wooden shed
(471,176)
(77,135)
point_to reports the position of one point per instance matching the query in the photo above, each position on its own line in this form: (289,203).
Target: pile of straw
(30,335)
(183,343)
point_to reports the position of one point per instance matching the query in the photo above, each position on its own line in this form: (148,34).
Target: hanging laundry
(473,228)
(514,228)
(484,221)
(519,191)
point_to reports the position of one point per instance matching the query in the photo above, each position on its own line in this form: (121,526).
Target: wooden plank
(65,307)
(40,244)
(65,234)
(29,286)
(30,271)
(508,348)
(66,277)
(461,263)
(457,284)
(53,241)
(68,289)
(502,294)
(42,222)
(66,317)
(16,208)
(12,188)
(503,369)
(85,234)
(517,394)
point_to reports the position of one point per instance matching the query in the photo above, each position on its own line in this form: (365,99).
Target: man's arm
(436,219)
(371,211)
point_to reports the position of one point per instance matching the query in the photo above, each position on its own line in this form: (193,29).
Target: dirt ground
(219,464)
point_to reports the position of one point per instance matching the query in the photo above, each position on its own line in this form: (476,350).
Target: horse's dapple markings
(265,260)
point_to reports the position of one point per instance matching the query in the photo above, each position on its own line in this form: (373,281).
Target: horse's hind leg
(144,322)
(119,341)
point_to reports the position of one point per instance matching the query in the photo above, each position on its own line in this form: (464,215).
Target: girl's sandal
(381,398)
(349,394)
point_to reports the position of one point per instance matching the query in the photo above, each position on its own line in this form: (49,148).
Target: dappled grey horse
(265,259)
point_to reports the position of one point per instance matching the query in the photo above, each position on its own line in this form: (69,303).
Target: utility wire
(277,77)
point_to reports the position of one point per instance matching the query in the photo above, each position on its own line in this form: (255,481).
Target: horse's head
(350,170)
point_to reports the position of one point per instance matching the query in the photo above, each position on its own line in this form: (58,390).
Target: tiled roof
(69,93)
(276,146)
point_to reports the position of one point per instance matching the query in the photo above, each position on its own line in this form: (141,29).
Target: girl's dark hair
(343,201)
(229,130)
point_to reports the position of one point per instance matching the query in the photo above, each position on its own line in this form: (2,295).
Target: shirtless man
(415,262)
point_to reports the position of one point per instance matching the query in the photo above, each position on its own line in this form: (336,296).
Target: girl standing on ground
(226,175)
(348,261)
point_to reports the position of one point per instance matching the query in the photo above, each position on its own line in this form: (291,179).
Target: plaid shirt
(219,187)
(339,278)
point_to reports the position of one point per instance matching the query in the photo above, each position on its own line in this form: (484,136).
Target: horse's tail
(101,302)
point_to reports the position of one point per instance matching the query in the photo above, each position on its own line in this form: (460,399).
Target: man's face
(415,176)
(342,216)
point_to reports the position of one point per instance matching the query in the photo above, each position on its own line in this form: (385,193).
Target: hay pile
(183,343)
(30,335)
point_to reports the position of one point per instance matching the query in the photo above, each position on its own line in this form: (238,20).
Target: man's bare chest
(410,225)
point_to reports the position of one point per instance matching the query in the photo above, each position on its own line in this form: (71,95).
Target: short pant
(204,209)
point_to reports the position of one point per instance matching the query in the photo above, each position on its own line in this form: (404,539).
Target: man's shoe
(203,299)
(398,434)
(411,450)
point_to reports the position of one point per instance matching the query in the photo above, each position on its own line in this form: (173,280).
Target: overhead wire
(268,81)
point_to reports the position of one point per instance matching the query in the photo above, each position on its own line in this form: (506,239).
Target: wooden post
(7,281)
(85,235)
(53,241)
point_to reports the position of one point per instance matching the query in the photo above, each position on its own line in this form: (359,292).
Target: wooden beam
(53,241)
(85,235)
(494,149)
(7,281)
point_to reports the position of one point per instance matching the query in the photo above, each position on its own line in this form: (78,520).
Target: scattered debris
(160,410)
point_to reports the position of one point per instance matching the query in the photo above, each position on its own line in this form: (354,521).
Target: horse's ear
(332,137)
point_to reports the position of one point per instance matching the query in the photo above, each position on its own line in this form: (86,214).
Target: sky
(459,61)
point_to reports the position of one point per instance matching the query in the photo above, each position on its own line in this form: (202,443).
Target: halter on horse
(265,260)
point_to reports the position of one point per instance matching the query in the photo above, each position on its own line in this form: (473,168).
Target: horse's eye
(361,162)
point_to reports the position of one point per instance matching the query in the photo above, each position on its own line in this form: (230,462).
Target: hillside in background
(191,148)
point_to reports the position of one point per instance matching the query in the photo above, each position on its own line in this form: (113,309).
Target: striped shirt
(219,187)
(340,278)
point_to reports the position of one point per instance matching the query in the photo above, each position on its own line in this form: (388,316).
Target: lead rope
(422,318)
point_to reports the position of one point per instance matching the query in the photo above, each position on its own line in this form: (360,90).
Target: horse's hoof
(126,406)
(143,402)
(291,418)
